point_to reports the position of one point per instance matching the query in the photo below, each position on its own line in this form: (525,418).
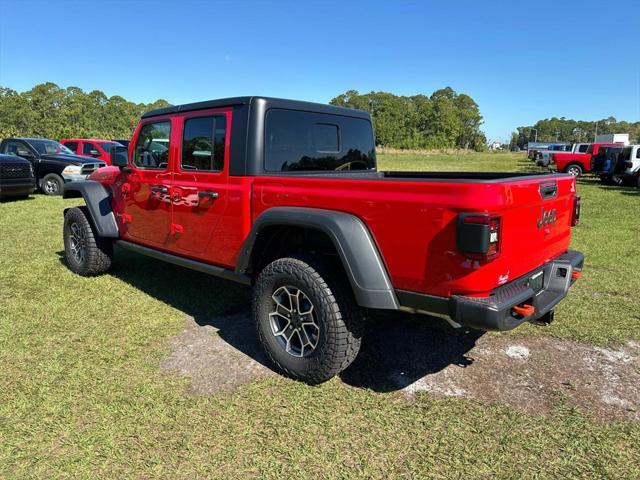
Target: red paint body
(563,159)
(413,221)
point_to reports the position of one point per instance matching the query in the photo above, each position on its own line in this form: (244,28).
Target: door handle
(211,195)
(159,189)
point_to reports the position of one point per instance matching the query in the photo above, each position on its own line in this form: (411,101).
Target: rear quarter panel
(414,224)
(562,160)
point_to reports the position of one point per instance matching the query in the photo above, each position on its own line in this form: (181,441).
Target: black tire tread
(334,292)
(99,249)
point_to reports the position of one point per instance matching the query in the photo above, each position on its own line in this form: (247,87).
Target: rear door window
(583,148)
(309,141)
(16,148)
(203,143)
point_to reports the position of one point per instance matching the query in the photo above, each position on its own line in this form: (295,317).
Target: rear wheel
(574,169)
(52,184)
(87,254)
(307,318)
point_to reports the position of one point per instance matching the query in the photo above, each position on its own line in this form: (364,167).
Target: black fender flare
(98,200)
(359,254)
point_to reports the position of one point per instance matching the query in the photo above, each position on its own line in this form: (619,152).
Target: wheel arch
(350,237)
(98,201)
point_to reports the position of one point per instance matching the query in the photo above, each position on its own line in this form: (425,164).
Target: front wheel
(52,184)
(87,254)
(307,318)
(575,170)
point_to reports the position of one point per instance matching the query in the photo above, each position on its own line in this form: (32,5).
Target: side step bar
(186,262)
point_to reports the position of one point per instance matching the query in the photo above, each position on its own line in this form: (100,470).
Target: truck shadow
(397,348)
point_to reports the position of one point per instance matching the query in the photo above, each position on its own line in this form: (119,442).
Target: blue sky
(521,61)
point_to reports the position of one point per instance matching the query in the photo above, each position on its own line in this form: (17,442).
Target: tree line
(445,119)
(568,130)
(52,112)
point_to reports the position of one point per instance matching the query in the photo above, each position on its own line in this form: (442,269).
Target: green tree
(445,119)
(52,112)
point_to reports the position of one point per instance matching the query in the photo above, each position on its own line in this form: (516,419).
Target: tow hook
(544,320)
(524,310)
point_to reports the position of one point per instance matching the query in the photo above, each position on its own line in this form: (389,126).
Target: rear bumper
(17,186)
(495,312)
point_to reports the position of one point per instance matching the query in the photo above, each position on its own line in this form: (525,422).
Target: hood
(71,159)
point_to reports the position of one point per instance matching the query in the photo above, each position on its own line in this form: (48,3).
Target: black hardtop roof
(270,103)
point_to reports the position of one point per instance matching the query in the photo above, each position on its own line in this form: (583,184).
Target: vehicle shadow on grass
(397,349)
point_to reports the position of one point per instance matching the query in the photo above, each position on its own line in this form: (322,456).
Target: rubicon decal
(548,217)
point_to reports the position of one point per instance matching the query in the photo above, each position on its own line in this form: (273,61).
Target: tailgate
(536,225)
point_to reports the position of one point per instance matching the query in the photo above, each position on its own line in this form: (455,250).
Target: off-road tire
(574,168)
(98,250)
(52,184)
(340,319)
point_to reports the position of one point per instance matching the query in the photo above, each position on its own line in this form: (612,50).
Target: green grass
(82,394)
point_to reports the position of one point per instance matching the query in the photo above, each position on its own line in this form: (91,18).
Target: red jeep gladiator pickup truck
(284,196)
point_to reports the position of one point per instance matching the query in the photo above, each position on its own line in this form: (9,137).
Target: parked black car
(16,177)
(52,162)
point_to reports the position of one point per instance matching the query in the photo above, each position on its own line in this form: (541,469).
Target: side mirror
(120,157)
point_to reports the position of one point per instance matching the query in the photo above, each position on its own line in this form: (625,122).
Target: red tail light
(575,214)
(479,235)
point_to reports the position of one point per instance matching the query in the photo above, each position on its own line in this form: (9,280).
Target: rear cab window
(297,141)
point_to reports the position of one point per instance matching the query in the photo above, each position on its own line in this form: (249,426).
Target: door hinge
(176,229)
(125,218)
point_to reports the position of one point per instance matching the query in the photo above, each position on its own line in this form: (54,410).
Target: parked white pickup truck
(544,158)
(630,164)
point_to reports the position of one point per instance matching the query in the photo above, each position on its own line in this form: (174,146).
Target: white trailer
(622,138)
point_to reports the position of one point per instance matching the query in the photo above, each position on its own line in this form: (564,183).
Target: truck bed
(413,218)
(480,177)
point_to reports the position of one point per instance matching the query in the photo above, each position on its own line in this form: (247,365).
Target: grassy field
(82,394)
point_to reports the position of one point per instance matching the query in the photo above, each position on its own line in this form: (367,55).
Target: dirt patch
(415,354)
(533,374)
(217,357)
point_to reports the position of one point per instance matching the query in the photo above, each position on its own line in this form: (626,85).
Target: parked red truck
(576,163)
(285,196)
(91,147)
